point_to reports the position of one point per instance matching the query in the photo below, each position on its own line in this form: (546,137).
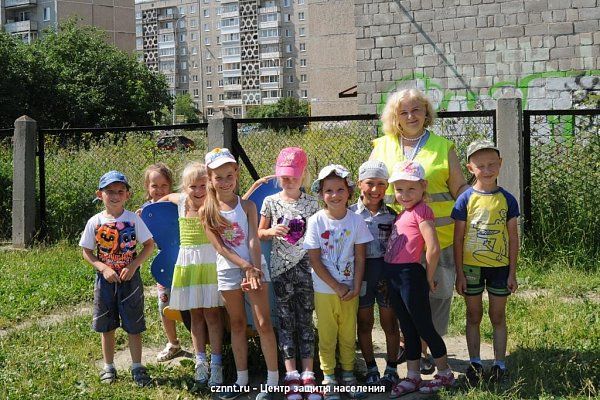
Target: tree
(74,78)
(285,107)
(184,106)
(13,79)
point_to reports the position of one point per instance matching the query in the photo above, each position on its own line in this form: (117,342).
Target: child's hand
(432,285)
(461,284)
(341,290)
(253,279)
(110,275)
(511,283)
(351,294)
(279,230)
(127,273)
(138,212)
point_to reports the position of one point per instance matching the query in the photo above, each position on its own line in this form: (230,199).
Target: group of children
(336,262)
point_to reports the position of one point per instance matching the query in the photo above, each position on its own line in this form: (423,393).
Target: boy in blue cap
(118,289)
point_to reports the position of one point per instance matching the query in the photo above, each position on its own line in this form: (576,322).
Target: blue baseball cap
(112,177)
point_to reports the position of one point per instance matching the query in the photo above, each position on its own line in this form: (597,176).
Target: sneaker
(234,392)
(140,376)
(405,386)
(474,373)
(201,373)
(216,376)
(390,379)
(349,380)
(108,375)
(265,396)
(169,352)
(497,374)
(329,385)
(427,367)
(401,355)
(372,376)
(439,382)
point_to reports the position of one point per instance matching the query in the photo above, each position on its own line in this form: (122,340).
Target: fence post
(220,131)
(509,139)
(23,207)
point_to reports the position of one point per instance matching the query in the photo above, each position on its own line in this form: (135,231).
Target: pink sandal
(293,385)
(405,386)
(310,392)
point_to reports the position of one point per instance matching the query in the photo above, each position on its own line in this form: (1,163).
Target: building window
(300,1)
(303,62)
(194,36)
(289,63)
(302,46)
(301,16)
(303,78)
(287,17)
(221,96)
(209,84)
(219,10)
(207,27)
(291,78)
(209,98)
(209,69)
(46,13)
(287,3)
(288,48)
(193,22)
(196,92)
(304,93)
(195,64)
(236,110)
(138,14)
(207,41)
(220,82)
(290,93)
(206,13)
(192,9)
(218,39)
(183,65)
(207,55)
(195,78)
(182,10)
(194,50)
(220,68)
(302,31)
(182,37)
(288,33)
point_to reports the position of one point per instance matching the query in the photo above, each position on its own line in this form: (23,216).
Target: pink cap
(291,161)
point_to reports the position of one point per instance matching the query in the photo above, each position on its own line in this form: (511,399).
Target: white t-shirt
(115,239)
(336,239)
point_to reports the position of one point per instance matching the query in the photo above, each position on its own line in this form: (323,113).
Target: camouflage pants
(295,304)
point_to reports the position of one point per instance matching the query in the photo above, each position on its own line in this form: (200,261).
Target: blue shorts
(119,304)
(494,279)
(374,285)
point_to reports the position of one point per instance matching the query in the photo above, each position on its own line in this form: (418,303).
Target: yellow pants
(336,322)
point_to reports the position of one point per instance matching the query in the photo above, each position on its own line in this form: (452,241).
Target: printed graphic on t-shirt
(488,238)
(116,243)
(396,242)
(333,247)
(233,236)
(297,228)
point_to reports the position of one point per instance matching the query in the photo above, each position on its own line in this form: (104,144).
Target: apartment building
(28,18)
(228,55)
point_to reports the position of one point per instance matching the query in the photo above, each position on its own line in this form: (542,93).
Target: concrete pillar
(220,131)
(23,209)
(509,139)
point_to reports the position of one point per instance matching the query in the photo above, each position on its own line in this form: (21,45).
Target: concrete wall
(468,53)
(331,49)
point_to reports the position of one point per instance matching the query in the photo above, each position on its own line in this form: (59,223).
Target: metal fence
(343,140)
(71,161)
(6,172)
(562,161)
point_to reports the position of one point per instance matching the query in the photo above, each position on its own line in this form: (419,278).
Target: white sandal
(168,353)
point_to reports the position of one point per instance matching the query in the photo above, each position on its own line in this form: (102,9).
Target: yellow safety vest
(433,156)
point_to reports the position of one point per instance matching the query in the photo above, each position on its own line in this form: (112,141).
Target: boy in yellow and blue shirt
(486,246)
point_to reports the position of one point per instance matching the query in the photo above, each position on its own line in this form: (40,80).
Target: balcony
(166,17)
(267,10)
(268,24)
(270,85)
(19,3)
(232,88)
(270,56)
(266,71)
(233,102)
(269,40)
(231,59)
(230,14)
(225,30)
(270,100)
(232,73)
(21,26)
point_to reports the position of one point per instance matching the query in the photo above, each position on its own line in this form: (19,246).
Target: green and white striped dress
(195,275)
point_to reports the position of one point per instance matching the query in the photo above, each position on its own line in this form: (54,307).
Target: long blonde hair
(210,214)
(389,116)
(162,169)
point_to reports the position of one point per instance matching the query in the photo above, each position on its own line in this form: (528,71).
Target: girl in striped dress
(194,285)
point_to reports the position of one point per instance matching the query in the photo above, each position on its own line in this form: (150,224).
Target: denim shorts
(119,304)
(374,286)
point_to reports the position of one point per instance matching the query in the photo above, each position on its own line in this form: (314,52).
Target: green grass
(554,343)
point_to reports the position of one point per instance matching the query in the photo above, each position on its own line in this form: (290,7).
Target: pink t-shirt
(406,242)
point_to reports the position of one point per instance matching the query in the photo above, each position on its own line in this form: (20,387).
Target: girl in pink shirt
(410,283)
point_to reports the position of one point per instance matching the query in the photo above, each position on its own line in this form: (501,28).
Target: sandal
(310,390)
(292,388)
(108,376)
(140,376)
(329,386)
(169,352)
(406,385)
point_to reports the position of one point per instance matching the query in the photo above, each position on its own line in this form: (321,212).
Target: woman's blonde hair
(389,116)
(162,169)
(210,214)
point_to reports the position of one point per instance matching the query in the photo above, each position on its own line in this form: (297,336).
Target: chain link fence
(564,154)
(342,140)
(73,161)
(6,177)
